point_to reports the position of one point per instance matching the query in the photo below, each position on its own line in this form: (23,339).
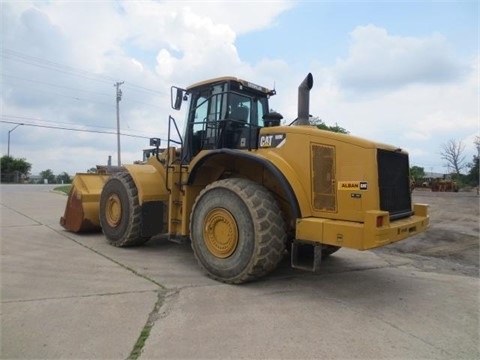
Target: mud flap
(306,256)
(153,218)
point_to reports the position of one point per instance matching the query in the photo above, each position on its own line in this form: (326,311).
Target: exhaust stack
(303,117)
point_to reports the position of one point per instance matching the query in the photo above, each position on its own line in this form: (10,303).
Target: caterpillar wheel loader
(245,189)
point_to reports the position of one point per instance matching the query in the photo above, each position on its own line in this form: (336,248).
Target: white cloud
(416,135)
(242,16)
(150,45)
(393,89)
(137,64)
(380,61)
(414,114)
(165,63)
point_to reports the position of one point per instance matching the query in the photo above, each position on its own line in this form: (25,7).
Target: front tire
(237,231)
(120,213)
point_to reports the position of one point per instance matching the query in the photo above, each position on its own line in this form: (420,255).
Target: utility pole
(119,98)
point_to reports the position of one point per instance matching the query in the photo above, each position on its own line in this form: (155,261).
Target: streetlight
(9,131)
(119,98)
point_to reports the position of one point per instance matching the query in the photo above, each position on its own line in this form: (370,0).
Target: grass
(64,188)
(137,350)
(152,318)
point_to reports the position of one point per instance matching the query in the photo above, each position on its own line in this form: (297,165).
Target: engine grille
(394,183)
(323,166)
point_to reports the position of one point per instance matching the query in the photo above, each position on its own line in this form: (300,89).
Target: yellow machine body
(325,190)
(333,208)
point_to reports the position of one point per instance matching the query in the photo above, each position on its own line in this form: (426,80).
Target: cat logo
(266,140)
(271,140)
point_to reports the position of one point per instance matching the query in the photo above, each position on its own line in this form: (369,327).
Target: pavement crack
(109,258)
(364,310)
(77,296)
(154,315)
(408,333)
(24,215)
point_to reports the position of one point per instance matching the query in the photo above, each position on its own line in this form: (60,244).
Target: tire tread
(271,233)
(132,235)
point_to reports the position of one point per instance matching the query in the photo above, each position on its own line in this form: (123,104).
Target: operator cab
(224,113)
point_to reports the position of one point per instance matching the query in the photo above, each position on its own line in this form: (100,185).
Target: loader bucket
(83,203)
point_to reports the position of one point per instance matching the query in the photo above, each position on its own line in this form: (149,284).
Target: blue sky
(404,73)
(319,29)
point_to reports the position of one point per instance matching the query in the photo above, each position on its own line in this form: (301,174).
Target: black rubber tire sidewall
(261,230)
(240,259)
(128,232)
(115,186)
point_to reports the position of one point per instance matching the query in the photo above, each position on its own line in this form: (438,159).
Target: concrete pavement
(69,296)
(60,299)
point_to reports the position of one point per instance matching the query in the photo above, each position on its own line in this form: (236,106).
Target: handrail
(169,141)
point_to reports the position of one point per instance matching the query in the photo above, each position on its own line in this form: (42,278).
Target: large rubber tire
(237,231)
(120,213)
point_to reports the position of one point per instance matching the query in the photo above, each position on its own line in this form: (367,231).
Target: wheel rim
(113,210)
(220,233)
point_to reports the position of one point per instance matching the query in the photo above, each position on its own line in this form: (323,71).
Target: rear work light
(379,221)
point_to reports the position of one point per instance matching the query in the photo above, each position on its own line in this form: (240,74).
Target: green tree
(48,174)
(319,123)
(63,178)
(472,176)
(417,172)
(14,170)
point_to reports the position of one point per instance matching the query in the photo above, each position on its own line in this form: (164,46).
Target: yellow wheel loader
(245,189)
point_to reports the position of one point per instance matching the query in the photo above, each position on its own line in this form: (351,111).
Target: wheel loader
(247,191)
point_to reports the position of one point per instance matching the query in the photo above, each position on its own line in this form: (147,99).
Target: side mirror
(176,97)
(155,142)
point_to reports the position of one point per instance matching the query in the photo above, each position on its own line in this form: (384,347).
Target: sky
(405,73)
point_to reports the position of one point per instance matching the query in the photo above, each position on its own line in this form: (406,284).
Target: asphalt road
(68,296)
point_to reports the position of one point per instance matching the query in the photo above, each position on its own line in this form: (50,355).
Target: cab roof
(245,83)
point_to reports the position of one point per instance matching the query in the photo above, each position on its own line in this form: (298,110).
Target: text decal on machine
(273,140)
(352,185)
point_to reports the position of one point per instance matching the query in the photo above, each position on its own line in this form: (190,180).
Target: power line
(15,117)
(66,69)
(78,130)
(40,122)
(156,92)
(51,65)
(90,101)
(129,100)
(51,84)
(52,122)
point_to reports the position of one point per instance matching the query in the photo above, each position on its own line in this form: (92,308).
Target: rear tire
(120,213)
(237,231)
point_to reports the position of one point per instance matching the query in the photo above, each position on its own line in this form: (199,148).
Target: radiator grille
(394,183)
(323,166)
